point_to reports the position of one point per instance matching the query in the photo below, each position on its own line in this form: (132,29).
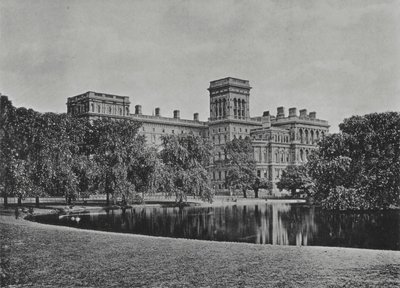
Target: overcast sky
(338,58)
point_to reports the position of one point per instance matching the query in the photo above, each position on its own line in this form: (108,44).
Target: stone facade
(278,141)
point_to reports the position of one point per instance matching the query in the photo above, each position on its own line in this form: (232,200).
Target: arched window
(306,136)
(301,155)
(92,107)
(120,111)
(317,135)
(127,110)
(301,136)
(312,136)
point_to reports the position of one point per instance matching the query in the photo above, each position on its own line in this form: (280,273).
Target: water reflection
(278,224)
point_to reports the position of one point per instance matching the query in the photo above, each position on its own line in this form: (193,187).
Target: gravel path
(38,255)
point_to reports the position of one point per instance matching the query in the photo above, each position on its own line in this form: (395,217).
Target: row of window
(226,129)
(308,136)
(108,109)
(275,137)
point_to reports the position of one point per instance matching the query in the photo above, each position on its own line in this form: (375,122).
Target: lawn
(38,255)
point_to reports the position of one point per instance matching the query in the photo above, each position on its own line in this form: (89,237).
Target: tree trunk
(244,193)
(107,198)
(256,193)
(19,201)
(37,201)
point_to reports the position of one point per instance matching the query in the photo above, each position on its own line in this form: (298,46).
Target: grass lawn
(38,255)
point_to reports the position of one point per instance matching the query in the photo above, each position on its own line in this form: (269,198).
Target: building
(278,141)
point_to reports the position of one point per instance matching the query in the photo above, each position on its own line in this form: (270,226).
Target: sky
(338,58)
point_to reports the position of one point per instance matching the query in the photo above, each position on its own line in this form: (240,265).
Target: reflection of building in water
(280,224)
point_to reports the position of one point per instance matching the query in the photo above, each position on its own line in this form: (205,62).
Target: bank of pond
(270,223)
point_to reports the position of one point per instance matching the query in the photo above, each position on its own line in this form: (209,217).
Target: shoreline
(57,256)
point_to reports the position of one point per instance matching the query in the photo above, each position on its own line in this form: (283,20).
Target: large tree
(359,167)
(295,178)
(116,146)
(241,166)
(184,171)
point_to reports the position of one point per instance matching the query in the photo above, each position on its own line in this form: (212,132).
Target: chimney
(196,116)
(266,113)
(303,113)
(176,114)
(280,113)
(158,112)
(138,109)
(312,115)
(292,112)
(266,121)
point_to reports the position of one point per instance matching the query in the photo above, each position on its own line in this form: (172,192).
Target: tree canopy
(184,172)
(359,167)
(241,167)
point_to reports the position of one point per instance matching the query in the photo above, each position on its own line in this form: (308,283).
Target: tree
(375,152)
(240,164)
(116,144)
(359,167)
(295,177)
(184,171)
(260,183)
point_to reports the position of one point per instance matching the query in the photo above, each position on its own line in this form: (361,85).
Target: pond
(277,223)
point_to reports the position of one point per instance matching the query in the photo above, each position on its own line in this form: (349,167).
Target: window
(173,131)
(219,175)
(92,107)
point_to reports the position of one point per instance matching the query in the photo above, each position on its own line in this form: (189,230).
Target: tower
(229,99)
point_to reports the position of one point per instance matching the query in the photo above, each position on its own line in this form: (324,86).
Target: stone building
(278,141)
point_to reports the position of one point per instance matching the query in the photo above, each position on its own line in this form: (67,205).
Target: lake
(276,223)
